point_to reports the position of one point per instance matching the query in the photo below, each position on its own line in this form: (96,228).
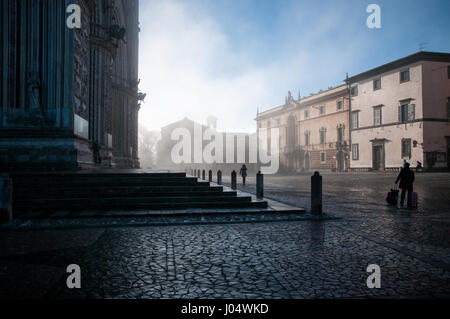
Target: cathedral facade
(69,95)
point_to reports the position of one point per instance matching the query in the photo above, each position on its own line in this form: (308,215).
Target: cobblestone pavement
(307,259)
(360,200)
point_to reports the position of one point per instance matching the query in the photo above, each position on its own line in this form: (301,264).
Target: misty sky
(229,57)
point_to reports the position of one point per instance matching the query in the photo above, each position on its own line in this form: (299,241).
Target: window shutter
(400,113)
(412,112)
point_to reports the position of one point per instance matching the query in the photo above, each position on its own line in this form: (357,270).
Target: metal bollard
(210,176)
(316,194)
(259,185)
(219,177)
(233,180)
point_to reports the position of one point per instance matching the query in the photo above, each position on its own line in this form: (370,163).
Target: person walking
(243,173)
(406,179)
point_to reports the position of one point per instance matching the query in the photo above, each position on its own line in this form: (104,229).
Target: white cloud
(188,68)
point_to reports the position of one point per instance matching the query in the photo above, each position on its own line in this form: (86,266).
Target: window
(404,76)
(323,157)
(268,124)
(377,120)
(322,109)
(448,108)
(355,152)
(306,114)
(355,120)
(406,112)
(340,105)
(448,72)
(340,134)
(406,148)
(307,138)
(323,135)
(354,91)
(377,84)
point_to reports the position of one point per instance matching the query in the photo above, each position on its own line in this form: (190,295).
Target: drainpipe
(349,118)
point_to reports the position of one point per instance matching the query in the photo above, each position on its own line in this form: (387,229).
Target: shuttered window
(355,152)
(406,148)
(355,123)
(323,133)
(377,120)
(323,157)
(406,112)
(307,138)
(448,108)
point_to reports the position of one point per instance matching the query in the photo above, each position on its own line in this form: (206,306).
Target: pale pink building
(401,111)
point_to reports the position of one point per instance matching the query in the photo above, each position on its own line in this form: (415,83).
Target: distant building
(401,111)
(166,145)
(314,132)
(69,97)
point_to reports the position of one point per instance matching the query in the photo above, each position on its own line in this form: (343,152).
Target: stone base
(53,150)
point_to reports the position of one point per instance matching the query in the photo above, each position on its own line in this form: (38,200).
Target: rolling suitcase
(392,197)
(414,200)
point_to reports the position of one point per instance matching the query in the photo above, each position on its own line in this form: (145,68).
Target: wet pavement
(305,259)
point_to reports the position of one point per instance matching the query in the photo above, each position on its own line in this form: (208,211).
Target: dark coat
(243,171)
(406,178)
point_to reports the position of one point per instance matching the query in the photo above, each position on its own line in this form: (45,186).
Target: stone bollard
(233,180)
(210,176)
(316,194)
(219,177)
(259,185)
(203,174)
(6,213)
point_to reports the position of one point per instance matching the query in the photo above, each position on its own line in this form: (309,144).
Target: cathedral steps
(98,191)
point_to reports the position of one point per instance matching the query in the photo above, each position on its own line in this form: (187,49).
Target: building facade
(69,96)
(314,131)
(238,144)
(401,111)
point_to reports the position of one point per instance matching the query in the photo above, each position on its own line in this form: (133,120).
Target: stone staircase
(46,194)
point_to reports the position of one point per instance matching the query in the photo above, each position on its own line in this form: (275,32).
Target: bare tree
(147,147)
